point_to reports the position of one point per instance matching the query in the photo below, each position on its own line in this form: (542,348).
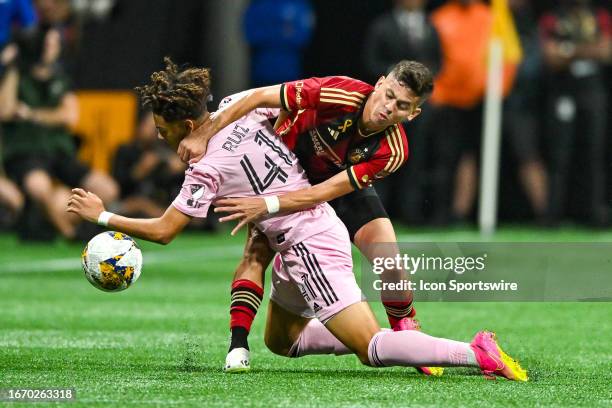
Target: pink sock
(316,339)
(416,349)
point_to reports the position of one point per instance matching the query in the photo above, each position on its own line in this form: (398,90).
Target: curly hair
(177,93)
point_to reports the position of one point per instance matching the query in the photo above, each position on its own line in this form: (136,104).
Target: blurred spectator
(11,200)
(148,171)
(521,111)
(15,13)
(38,107)
(464,27)
(58,15)
(576,44)
(404,33)
(277,31)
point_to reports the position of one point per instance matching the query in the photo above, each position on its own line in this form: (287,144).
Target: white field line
(150,258)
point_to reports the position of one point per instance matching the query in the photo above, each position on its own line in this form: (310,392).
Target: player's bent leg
(355,326)
(246,295)
(376,239)
(283,329)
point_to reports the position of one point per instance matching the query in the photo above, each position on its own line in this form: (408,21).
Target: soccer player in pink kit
(316,306)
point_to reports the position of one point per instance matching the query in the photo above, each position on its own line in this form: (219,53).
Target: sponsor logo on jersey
(298,93)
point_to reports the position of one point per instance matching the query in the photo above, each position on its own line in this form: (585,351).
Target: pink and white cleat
(492,359)
(408,323)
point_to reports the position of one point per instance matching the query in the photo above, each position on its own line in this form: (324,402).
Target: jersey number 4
(258,184)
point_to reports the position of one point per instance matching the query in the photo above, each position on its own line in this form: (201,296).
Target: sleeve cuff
(283,98)
(353,178)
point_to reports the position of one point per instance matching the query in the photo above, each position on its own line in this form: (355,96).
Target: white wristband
(273,204)
(104,217)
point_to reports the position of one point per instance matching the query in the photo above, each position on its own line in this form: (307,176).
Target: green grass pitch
(163,341)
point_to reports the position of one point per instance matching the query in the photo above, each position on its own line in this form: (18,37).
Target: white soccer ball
(112,261)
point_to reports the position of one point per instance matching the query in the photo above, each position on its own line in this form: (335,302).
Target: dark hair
(31,44)
(177,93)
(415,76)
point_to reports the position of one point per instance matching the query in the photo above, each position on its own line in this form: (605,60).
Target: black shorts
(358,208)
(67,169)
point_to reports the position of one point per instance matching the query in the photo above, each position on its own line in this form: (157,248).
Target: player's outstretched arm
(193,147)
(250,209)
(162,230)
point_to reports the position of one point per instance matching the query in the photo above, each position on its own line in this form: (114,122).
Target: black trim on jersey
(352,180)
(282,98)
(260,136)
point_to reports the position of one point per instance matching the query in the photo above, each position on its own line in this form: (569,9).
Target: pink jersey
(247,159)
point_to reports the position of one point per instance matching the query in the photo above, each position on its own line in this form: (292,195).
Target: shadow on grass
(335,374)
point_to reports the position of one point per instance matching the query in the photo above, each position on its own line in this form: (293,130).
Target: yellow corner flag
(505,30)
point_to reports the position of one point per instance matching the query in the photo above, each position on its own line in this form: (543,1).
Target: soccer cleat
(408,323)
(492,359)
(237,361)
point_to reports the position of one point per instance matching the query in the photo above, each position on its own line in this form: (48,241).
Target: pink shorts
(315,277)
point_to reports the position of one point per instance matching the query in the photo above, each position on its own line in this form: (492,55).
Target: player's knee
(276,346)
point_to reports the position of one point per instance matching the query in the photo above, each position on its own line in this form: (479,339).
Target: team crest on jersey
(197,192)
(356,155)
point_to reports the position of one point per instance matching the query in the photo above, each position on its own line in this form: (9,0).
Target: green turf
(162,342)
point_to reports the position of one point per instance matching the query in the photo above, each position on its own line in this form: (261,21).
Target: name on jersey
(233,140)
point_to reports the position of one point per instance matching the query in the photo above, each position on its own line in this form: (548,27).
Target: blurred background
(69,117)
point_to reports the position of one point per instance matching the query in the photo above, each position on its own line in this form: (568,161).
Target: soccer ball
(111,261)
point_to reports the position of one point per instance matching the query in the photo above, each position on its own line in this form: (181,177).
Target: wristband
(273,204)
(104,217)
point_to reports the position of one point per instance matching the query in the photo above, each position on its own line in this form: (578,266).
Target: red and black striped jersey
(323,131)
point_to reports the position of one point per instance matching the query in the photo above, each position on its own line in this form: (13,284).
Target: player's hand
(244,210)
(193,147)
(85,204)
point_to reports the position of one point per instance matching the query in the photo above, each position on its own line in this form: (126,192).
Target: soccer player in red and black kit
(346,134)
